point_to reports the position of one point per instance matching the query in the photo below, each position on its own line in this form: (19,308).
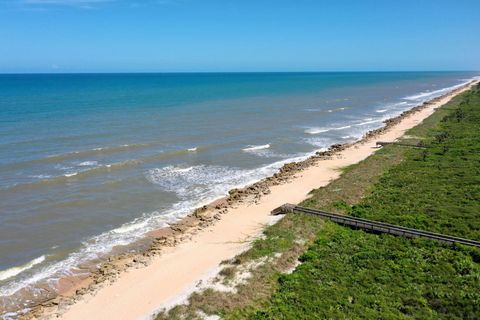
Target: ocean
(92,161)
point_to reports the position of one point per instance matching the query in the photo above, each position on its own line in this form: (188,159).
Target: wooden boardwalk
(382,144)
(375,226)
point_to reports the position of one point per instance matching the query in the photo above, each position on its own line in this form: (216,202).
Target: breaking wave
(12,272)
(256,148)
(428,95)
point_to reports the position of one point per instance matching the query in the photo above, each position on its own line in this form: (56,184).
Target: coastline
(194,246)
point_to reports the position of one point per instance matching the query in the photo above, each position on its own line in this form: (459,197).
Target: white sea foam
(42,176)
(421,95)
(204,182)
(88,163)
(255,148)
(319,142)
(371,121)
(352,132)
(323,110)
(195,186)
(94,248)
(364,122)
(12,272)
(337,109)
(394,106)
(192,149)
(181,170)
(427,95)
(316,130)
(130,227)
(70,174)
(264,151)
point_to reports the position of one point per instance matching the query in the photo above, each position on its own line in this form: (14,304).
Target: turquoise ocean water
(90,161)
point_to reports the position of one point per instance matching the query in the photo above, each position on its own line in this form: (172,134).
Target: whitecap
(254,148)
(41,176)
(316,130)
(322,130)
(192,149)
(381,110)
(71,174)
(88,163)
(12,272)
(341,128)
(369,121)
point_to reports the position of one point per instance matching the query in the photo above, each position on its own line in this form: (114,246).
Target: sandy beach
(169,277)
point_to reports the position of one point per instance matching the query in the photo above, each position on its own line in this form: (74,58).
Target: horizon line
(225,72)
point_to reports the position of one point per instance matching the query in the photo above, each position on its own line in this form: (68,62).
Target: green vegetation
(350,274)
(354,274)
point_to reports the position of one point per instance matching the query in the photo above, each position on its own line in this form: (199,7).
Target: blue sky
(238,35)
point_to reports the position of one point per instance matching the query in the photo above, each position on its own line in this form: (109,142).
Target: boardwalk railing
(375,226)
(382,144)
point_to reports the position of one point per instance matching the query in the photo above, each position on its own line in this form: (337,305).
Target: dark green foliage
(353,274)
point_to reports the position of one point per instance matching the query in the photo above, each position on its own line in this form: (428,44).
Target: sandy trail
(138,293)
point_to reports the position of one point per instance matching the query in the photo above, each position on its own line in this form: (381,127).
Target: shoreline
(210,234)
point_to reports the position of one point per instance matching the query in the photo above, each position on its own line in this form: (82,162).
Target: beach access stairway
(375,226)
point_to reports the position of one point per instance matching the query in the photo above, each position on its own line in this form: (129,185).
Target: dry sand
(138,293)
